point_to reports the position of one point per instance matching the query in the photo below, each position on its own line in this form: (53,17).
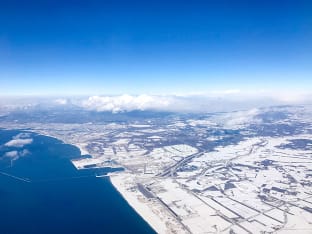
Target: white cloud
(239,118)
(22,135)
(19,142)
(11,154)
(127,103)
(192,103)
(14,155)
(226,92)
(24,152)
(61,101)
(293,97)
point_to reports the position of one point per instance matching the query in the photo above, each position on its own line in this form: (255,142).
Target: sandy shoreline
(81,146)
(150,210)
(119,182)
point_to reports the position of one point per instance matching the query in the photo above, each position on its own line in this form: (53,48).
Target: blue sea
(42,192)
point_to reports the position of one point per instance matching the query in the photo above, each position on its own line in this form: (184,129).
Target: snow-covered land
(240,172)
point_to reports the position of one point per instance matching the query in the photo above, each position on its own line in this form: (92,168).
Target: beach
(150,210)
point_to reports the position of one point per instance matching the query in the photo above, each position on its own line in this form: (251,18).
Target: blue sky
(154,47)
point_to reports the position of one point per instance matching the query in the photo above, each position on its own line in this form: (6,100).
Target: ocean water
(42,192)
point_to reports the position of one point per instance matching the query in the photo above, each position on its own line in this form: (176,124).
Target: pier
(15,177)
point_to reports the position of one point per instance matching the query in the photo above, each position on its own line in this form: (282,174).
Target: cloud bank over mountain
(214,101)
(127,103)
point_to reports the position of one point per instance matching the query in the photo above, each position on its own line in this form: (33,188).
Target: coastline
(81,147)
(150,210)
(154,214)
(118,181)
(122,182)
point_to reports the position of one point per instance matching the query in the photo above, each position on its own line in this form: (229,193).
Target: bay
(42,192)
